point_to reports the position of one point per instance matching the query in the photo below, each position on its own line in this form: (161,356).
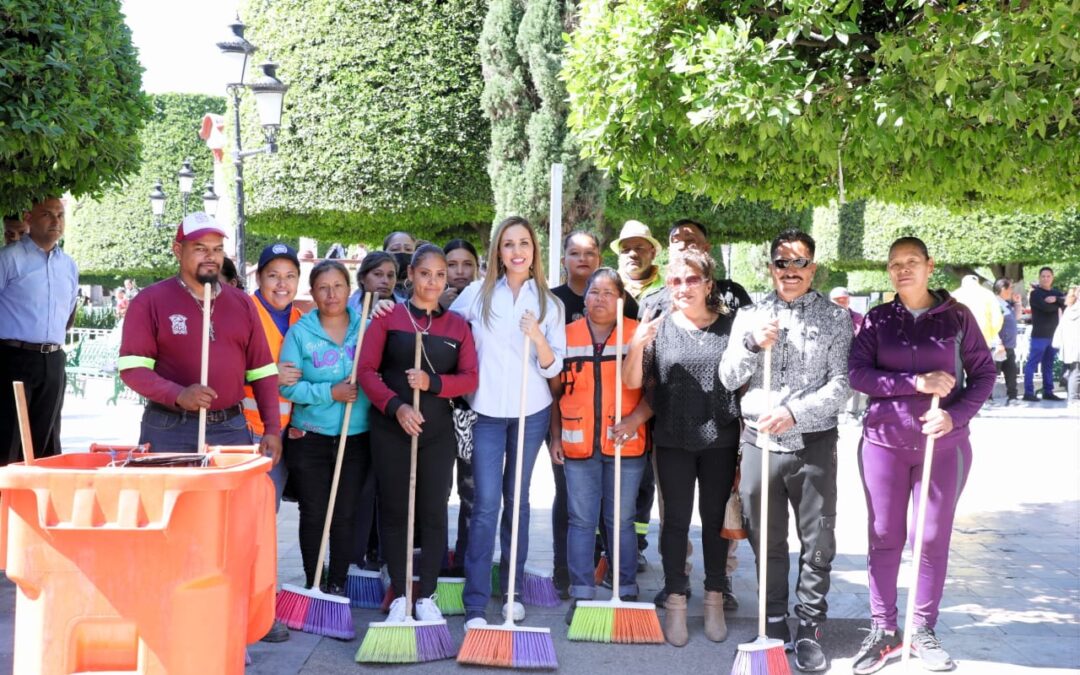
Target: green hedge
(70,100)
(382,127)
(114,235)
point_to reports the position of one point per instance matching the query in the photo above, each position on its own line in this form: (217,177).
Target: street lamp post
(186,178)
(269,95)
(157,203)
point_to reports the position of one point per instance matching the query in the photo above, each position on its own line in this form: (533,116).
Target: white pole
(555,225)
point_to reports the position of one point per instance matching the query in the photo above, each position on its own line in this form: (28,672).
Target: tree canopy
(970,105)
(70,100)
(114,234)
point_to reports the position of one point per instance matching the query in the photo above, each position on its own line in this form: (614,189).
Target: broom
(204,366)
(309,609)
(408,641)
(538,589)
(508,645)
(614,620)
(364,588)
(916,555)
(22,413)
(763,656)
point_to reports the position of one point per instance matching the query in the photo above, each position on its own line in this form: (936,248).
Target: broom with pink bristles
(309,609)
(763,656)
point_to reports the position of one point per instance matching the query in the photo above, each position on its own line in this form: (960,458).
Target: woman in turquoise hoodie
(322,344)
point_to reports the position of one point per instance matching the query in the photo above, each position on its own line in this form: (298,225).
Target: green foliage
(70,100)
(858,235)
(964,104)
(95,317)
(115,234)
(524,99)
(738,221)
(381,128)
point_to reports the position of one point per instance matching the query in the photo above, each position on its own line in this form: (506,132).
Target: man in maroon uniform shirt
(161,351)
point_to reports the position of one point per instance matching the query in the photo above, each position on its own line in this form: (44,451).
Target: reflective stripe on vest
(274,340)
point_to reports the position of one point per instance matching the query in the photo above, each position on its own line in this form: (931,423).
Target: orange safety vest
(274,338)
(587,412)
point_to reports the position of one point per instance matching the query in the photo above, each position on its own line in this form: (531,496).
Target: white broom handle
(920,528)
(204,368)
(414,442)
(763,523)
(526,349)
(617,536)
(341,446)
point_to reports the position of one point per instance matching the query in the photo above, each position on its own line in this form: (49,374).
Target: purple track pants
(891,480)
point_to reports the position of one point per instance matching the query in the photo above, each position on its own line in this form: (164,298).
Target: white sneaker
(475,622)
(427,610)
(397,611)
(519,611)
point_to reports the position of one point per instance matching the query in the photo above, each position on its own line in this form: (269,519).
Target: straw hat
(635,228)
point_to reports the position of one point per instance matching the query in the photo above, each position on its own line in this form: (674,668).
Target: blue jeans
(179,432)
(279,474)
(588,481)
(1039,353)
(494,454)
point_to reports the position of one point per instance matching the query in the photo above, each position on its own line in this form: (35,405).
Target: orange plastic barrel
(146,570)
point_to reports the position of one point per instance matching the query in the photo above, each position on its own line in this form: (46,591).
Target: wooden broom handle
(414,442)
(617,535)
(341,444)
(23,413)
(204,366)
(526,350)
(763,523)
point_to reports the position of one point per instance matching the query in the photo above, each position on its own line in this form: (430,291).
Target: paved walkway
(1012,600)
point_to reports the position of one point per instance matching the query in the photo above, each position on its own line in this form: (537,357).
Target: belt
(41,348)
(212,416)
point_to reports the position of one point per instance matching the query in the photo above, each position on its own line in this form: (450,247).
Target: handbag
(733,514)
(464,418)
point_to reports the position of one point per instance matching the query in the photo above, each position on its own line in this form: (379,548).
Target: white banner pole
(555,226)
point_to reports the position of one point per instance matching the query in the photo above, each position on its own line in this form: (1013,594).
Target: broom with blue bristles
(309,609)
(408,641)
(763,656)
(615,620)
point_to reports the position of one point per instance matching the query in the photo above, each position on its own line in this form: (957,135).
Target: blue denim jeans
(279,474)
(588,481)
(494,454)
(1040,353)
(169,432)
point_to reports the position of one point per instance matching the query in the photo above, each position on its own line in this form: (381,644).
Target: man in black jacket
(1046,303)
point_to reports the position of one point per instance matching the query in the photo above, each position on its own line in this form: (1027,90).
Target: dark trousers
(43,377)
(679,471)
(466,489)
(367,537)
(1009,368)
(646,494)
(311,460)
(560,517)
(806,480)
(434,471)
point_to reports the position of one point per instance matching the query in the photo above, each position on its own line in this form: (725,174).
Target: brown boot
(675,620)
(715,626)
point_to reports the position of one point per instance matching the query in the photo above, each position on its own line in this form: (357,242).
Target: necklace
(698,334)
(415,325)
(200,304)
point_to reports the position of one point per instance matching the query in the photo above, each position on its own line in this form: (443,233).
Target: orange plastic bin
(146,570)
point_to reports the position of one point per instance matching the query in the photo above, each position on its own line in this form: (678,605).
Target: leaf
(980,37)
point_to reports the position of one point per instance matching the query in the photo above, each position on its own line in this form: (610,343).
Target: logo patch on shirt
(179,324)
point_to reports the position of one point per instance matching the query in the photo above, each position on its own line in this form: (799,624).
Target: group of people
(696,409)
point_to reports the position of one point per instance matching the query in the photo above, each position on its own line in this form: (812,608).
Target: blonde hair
(494,264)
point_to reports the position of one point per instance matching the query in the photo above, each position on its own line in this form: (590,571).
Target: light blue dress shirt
(38,291)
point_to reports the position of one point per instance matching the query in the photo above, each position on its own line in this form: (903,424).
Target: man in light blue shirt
(38,288)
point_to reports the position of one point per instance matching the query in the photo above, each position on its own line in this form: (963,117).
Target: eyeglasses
(690,282)
(797,263)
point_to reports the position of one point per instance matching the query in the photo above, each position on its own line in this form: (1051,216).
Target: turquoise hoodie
(324,363)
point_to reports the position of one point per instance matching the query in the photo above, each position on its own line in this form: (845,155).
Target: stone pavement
(1012,599)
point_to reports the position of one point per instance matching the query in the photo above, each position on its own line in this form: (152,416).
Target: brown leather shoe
(675,620)
(715,625)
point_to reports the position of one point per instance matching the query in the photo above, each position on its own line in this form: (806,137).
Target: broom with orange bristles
(763,656)
(615,620)
(309,609)
(509,645)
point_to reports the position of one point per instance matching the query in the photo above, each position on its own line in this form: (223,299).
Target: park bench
(95,357)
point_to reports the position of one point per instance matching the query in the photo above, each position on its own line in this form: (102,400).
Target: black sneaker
(661,596)
(1051,396)
(570,612)
(926,646)
(877,649)
(561,577)
(809,656)
(642,563)
(279,632)
(1031,398)
(335,589)
(731,603)
(779,630)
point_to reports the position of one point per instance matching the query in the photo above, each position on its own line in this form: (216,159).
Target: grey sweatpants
(807,481)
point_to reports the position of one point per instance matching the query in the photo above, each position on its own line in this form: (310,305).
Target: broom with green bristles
(509,645)
(408,641)
(615,620)
(763,656)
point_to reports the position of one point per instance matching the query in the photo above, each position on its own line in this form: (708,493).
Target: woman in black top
(675,358)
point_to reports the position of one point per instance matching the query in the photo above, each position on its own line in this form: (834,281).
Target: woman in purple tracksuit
(920,344)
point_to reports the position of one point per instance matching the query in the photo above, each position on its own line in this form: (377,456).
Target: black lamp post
(186,176)
(157,203)
(269,95)
(210,199)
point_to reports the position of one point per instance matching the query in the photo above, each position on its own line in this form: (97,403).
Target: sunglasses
(797,263)
(690,281)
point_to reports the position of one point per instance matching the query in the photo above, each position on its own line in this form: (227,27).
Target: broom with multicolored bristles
(509,645)
(763,656)
(309,609)
(615,620)
(408,641)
